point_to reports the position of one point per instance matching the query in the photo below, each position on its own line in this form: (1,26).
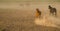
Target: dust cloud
(48,21)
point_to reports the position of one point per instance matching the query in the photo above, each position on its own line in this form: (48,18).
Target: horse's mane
(38,10)
(50,7)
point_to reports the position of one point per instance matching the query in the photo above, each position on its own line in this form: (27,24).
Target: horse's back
(54,9)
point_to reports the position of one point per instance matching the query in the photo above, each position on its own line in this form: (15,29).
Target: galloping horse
(38,13)
(52,10)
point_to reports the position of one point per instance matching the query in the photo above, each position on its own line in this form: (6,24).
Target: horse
(38,13)
(53,11)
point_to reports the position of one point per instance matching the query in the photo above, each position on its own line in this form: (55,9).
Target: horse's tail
(55,11)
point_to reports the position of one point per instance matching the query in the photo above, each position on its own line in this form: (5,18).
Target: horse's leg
(55,13)
(50,12)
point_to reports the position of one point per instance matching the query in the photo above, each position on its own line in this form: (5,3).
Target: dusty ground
(23,19)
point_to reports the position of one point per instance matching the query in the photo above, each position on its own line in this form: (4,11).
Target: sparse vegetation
(13,17)
(18,20)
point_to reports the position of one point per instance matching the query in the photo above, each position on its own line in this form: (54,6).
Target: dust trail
(48,21)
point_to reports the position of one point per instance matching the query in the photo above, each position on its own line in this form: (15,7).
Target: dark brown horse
(53,11)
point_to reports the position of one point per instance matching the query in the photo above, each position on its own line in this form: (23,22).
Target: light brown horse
(38,13)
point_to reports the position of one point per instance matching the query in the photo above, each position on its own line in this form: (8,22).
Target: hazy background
(25,3)
(19,15)
(29,0)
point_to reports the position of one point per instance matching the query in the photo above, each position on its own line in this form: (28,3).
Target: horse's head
(37,12)
(50,7)
(37,9)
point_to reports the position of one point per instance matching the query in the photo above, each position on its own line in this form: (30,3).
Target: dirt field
(23,19)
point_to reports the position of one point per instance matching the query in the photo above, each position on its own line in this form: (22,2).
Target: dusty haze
(20,16)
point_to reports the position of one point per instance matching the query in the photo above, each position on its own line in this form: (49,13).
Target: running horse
(38,13)
(53,11)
